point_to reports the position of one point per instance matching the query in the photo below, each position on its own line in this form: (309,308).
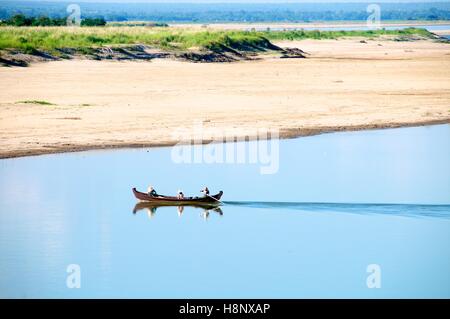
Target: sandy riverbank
(303,25)
(342,85)
(442,32)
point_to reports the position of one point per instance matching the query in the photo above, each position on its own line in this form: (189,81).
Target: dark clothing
(153,193)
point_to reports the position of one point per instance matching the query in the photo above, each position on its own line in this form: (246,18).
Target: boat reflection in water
(151,209)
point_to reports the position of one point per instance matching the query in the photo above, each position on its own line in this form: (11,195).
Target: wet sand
(342,85)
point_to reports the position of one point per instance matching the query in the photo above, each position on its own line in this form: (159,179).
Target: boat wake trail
(407,210)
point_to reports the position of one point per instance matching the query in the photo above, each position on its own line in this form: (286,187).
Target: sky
(244,1)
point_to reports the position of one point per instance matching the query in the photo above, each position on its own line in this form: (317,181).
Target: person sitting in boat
(205,191)
(180,195)
(151,191)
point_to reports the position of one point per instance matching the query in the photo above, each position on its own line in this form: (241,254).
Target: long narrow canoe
(213,200)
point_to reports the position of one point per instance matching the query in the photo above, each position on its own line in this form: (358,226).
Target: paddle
(207,195)
(215,199)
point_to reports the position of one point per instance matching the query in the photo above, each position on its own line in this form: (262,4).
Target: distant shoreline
(318,24)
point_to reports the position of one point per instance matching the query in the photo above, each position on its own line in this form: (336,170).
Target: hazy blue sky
(243,1)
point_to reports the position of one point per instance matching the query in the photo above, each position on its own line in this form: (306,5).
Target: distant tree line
(20,20)
(229,12)
(93,22)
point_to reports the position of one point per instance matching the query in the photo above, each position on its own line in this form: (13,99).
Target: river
(339,206)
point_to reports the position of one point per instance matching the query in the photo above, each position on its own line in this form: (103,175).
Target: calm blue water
(338,203)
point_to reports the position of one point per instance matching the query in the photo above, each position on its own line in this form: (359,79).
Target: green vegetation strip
(35,102)
(316,34)
(29,39)
(20,20)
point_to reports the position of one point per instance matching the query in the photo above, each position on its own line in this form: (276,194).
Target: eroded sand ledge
(343,85)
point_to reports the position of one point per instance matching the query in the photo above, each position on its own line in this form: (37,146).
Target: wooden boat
(161,200)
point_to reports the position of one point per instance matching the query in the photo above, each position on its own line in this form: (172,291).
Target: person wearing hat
(205,191)
(151,191)
(180,194)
